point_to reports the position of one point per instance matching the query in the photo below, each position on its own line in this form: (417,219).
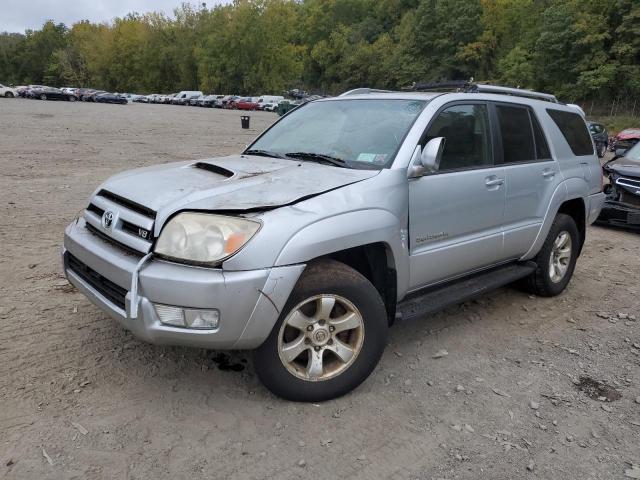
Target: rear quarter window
(574,130)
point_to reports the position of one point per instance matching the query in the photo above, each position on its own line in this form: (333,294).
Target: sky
(19,15)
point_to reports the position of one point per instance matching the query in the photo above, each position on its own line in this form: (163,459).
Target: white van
(270,99)
(183,97)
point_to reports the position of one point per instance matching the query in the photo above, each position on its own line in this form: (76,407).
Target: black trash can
(245,121)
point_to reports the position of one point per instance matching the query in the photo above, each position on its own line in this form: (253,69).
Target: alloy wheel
(560,257)
(321,337)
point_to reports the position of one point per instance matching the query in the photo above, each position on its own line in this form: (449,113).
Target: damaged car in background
(622,205)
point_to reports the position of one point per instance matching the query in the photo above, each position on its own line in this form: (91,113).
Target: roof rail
(470,87)
(363,91)
(516,92)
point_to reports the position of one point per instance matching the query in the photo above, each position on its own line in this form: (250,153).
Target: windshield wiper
(264,153)
(319,156)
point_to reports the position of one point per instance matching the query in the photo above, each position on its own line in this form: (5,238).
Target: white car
(8,92)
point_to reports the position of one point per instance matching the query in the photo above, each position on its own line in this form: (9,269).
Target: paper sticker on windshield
(377,158)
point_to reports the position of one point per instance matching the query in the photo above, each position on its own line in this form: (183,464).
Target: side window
(574,131)
(517,135)
(467,136)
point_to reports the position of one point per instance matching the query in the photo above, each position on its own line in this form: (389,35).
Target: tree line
(577,49)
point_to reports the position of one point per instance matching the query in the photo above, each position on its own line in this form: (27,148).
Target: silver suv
(346,214)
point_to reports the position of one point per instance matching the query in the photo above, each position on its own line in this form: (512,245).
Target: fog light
(188,317)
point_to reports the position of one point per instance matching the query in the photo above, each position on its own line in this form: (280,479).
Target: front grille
(112,241)
(628,182)
(630,199)
(95,209)
(123,222)
(109,290)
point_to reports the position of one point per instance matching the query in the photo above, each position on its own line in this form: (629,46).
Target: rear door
(456,213)
(531,175)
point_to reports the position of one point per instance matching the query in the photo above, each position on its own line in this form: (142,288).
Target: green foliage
(578,49)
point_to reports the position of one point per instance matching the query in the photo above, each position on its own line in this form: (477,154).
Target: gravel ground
(80,398)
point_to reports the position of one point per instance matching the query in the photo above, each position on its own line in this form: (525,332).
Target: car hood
(626,167)
(234,183)
(628,134)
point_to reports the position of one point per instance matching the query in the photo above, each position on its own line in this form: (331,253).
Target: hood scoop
(210,167)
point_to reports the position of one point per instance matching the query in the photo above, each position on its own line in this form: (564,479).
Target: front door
(456,214)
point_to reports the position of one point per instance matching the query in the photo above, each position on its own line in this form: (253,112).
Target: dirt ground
(80,398)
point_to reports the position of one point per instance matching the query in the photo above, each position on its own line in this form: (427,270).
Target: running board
(441,296)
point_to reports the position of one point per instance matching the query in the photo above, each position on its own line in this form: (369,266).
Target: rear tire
(9,95)
(556,260)
(297,361)
(602,149)
(43,97)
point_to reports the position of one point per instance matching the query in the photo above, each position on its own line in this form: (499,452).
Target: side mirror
(427,159)
(620,152)
(432,154)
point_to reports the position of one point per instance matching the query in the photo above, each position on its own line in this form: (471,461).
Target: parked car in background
(269,106)
(51,93)
(183,97)
(246,103)
(194,101)
(111,98)
(22,90)
(600,137)
(625,139)
(622,205)
(269,100)
(69,90)
(91,96)
(8,92)
(28,92)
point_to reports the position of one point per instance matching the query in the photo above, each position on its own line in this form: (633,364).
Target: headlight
(203,237)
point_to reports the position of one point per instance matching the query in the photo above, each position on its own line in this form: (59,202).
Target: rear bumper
(596,201)
(249,302)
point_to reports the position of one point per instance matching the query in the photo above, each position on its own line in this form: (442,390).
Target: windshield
(354,133)
(633,153)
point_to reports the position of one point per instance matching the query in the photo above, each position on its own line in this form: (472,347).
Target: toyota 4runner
(347,213)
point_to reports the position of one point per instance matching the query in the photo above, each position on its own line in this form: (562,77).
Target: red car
(245,104)
(626,139)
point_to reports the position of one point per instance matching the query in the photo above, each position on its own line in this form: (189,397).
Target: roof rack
(364,91)
(471,87)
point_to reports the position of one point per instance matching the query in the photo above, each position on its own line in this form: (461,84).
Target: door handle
(548,174)
(493,181)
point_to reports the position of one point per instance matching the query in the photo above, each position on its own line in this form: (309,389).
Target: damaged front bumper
(249,302)
(620,214)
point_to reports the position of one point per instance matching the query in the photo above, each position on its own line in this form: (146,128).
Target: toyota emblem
(107,219)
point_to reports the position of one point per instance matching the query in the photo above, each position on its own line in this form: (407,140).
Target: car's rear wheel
(557,258)
(329,337)
(43,97)
(9,94)
(72,98)
(602,149)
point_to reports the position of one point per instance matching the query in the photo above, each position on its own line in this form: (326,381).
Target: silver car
(346,214)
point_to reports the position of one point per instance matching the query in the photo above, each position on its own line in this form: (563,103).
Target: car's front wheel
(556,259)
(9,94)
(43,97)
(602,149)
(329,337)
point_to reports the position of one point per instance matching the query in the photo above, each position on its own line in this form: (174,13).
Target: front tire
(602,149)
(329,337)
(557,258)
(43,97)
(9,95)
